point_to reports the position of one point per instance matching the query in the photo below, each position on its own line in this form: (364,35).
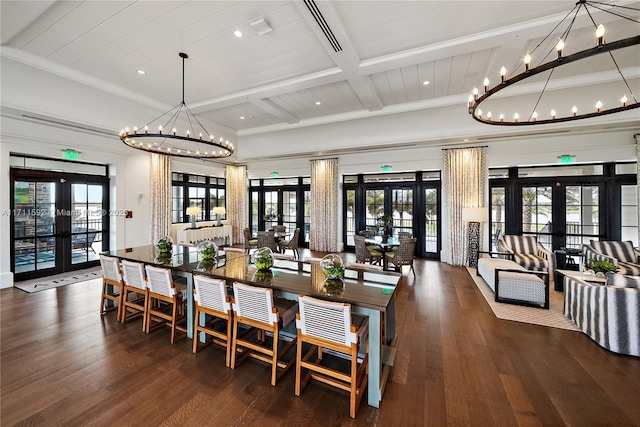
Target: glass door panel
(270,209)
(350,214)
(34,226)
(402,211)
(629,213)
(289,210)
(307,216)
(374,207)
(431,220)
(86,222)
(498,205)
(537,214)
(582,214)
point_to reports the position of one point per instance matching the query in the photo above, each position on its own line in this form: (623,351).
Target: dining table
(386,245)
(370,292)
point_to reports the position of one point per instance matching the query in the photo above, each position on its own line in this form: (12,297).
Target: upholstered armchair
(529,253)
(620,253)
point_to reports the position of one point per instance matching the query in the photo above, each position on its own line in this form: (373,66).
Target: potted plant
(262,258)
(600,267)
(207,249)
(384,224)
(165,244)
(332,266)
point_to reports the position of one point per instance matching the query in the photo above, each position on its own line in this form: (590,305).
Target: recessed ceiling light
(241,117)
(238,33)
(318,102)
(426,82)
(142,72)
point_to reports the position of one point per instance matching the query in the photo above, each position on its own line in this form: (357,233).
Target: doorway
(59,222)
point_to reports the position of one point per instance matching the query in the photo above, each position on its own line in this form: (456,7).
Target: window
(205,192)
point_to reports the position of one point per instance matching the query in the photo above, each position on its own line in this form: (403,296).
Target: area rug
(553,317)
(50,282)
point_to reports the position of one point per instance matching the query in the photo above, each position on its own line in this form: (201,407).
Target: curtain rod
(462,148)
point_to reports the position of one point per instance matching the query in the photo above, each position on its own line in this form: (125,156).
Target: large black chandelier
(161,135)
(627,99)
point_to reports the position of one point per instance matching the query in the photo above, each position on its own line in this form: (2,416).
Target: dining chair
(280,228)
(210,296)
(135,295)
(266,239)
(404,235)
(256,308)
(404,255)
(364,253)
(112,286)
(166,301)
(292,244)
(249,241)
(331,326)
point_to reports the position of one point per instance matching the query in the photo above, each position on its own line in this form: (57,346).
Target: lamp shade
(475,214)
(219,210)
(194,210)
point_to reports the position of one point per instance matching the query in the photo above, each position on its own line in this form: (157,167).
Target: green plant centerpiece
(207,265)
(262,258)
(164,258)
(207,249)
(600,267)
(384,225)
(263,276)
(165,244)
(332,266)
(333,287)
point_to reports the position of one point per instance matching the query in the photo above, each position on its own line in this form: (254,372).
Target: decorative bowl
(165,244)
(262,258)
(207,249)
(332,266)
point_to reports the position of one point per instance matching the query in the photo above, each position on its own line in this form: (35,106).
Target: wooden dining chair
(112,286)
(331,326)
(264,315)
(135,293)
(166,301)
(404,255)
(267,239)
(211,299)
(291,244)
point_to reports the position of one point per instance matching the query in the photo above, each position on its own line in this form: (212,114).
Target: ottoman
(512,284)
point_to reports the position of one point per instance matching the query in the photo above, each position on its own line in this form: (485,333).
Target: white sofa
(513,284)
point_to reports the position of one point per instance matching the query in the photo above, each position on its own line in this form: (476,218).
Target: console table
(195,235)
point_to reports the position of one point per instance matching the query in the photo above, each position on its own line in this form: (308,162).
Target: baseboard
(6,280)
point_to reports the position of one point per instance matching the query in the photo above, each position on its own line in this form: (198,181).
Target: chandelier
(161,135)
(545,49)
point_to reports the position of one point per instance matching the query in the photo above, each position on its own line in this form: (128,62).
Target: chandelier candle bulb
(534,116)
(479,113)
(503,74)
(598,106)
(486,84)
(516,117)
(470,100)
(527,62)
(574,110)
(475,93)
(624,100)
(600,35)
(489,115)
(560,48)
(501,117)
(146,130)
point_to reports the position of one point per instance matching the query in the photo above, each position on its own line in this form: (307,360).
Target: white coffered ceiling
(292,75)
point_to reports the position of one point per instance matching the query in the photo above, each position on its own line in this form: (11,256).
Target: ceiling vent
(315,12)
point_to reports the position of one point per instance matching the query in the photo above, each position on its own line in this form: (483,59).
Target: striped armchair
(620,253)
(529,253)
(609,315)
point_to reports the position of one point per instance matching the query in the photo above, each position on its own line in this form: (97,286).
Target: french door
(59,222)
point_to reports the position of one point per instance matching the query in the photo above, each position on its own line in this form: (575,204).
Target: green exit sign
(566,158)
(70,155)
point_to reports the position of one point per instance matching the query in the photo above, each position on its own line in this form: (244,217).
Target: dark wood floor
(457,364)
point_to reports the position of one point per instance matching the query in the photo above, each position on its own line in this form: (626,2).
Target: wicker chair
(266,239)
(404,255)
(404,235)
(280,228)
(291,244)
(366,254)
(249,241)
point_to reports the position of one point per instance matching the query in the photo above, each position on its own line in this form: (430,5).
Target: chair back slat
(110,268)
(160,281)
(521,244)
(211,293)
(254,302)
(325,319)
(133,274)
(266,239)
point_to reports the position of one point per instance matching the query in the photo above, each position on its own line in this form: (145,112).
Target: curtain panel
(324,205)
(465,174)
(160,197)
(237,200)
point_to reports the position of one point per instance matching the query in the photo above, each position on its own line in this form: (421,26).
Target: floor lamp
(473,217)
